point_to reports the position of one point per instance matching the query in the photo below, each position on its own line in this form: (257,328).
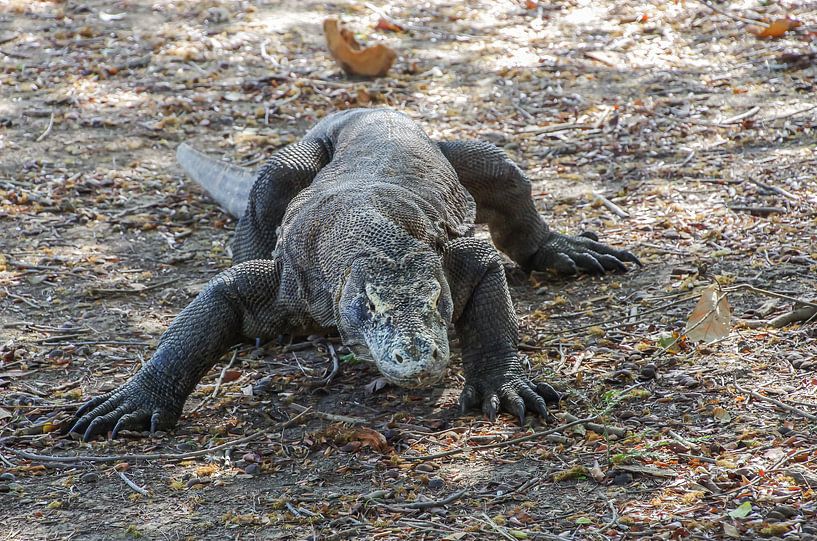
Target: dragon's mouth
(426,377)
(426,380)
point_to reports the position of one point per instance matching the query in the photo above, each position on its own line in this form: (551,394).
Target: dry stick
(556,128)
(597,428)
(218,383)
(95,290)
(18,297)
(742,116)
(757,479)
(778,403)
(621,324)
(758,210)
(612,207)
(788,115)
(47,129)
(770,294)
(529,437)
(335,364)
(683,441)
(775,189)
(155,456)
(331,416)
(398,507)
(801,314)
(716,9)
(133,485)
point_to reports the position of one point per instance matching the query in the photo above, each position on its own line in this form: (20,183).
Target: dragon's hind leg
(504,202)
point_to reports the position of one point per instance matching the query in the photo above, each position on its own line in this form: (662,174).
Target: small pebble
(425,468)
(8,476)
(774,516)
(251,457)
(252,469)
(90,477)
(435,483)
(623,478)
(785,510)
(198,481)
(4,488)
(648,371)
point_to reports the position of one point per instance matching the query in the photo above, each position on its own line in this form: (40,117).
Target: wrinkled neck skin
(395,311)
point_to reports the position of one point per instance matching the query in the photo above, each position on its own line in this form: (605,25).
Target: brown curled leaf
(372,61)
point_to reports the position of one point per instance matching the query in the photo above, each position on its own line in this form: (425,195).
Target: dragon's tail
(228,184)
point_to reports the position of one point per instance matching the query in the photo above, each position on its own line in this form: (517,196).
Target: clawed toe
(517,397)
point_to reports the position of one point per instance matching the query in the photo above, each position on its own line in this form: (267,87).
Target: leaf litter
(667,127)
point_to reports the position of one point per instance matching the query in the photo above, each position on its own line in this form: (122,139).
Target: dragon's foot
(133,406)
(508,391)
(570,255)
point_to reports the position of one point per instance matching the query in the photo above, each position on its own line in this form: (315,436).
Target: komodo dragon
(364,226)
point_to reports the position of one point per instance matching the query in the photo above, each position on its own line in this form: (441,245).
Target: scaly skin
(364,227)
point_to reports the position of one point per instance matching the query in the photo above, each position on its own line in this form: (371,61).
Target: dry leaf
(231,375)
(390,26)
(777,28)
(372,61)
(375,385)
(646,470)
(710,320)
(721,415)
(371,438)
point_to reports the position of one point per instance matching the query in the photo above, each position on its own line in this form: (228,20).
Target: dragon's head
(397,312)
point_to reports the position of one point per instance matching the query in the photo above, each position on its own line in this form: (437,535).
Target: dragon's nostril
(436,353)
(398,358)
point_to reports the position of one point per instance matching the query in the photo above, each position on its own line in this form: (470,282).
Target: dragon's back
(388,189)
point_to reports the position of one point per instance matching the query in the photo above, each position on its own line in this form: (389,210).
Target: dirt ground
(700,133)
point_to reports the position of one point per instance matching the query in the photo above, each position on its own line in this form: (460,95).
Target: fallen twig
(331,416)
(133,485)
(411,506)
(761,211)
(770,294)
(47,129)
(778,403)
(775,189)
(218,384)
(716,9)
(19,298)
(788,115)
(112,291)
(742,116)
(506,443)
(797,315)
(598,428)
(155,456)
(556,128)
(612,207)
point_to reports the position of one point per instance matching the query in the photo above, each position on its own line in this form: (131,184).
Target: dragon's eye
(371,306)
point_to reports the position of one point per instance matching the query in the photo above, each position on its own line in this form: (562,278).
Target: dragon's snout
(414,362)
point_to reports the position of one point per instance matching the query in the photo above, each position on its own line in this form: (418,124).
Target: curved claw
(129,421)
(468,399)
(551,395)
(511,393)
(490,406)
(566,255)
(131,406)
